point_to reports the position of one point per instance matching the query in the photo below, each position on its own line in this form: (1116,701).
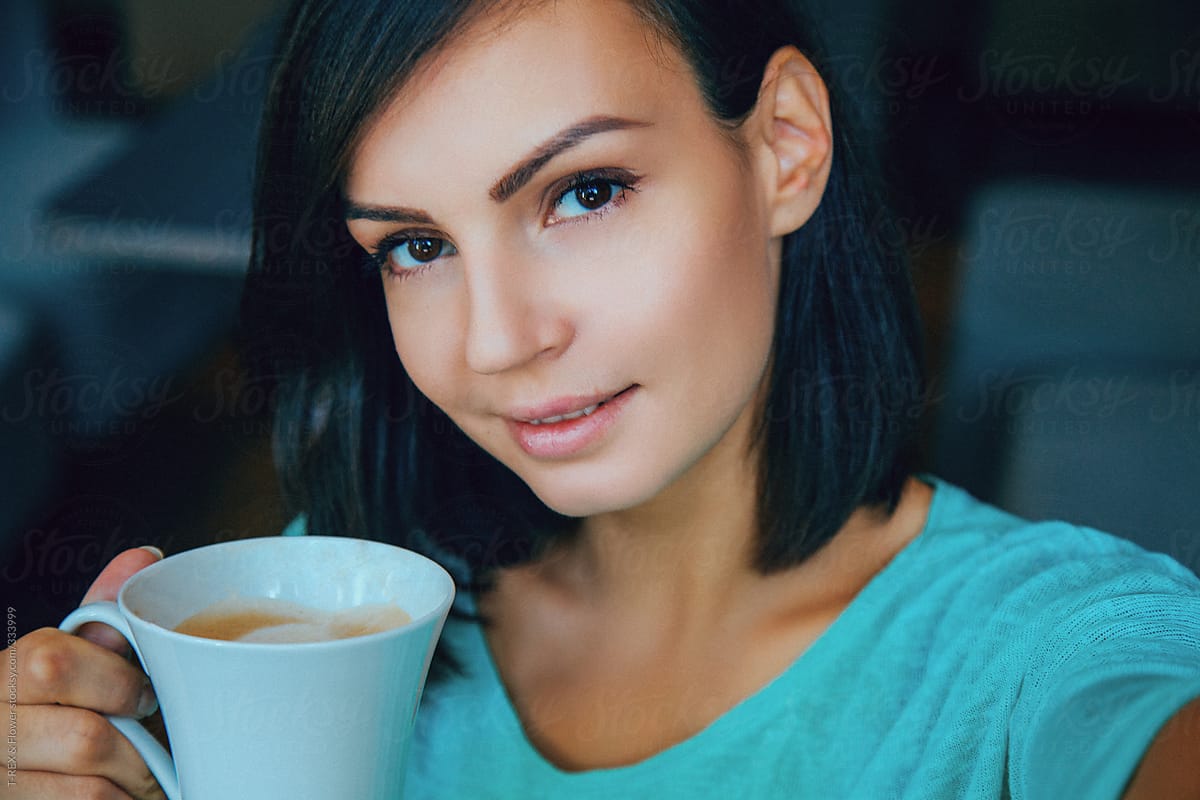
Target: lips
(567,417)
(565,408)
(569,427)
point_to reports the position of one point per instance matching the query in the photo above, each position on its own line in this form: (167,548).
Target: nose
(511,320)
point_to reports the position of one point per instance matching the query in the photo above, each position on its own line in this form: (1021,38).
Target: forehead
(512,78)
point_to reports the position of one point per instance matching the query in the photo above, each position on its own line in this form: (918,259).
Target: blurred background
(1041,157)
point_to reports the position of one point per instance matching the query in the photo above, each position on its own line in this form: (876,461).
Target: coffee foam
(274,621)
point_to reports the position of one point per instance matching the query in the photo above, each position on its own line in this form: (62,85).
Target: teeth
(565,417)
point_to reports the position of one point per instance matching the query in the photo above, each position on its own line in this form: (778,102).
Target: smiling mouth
(587,412)
(583,412)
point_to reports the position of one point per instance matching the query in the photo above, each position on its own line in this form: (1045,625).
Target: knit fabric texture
(992,658)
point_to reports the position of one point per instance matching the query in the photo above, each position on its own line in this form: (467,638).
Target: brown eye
(589,194)
(594,195)
(424,250)
(406,254)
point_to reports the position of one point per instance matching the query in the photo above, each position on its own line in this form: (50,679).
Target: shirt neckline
(753,709)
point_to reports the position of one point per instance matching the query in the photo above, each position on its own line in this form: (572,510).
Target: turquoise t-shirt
(992,658)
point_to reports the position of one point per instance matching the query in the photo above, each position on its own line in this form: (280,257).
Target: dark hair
(362,452)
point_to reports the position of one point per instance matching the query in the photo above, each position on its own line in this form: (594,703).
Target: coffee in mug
(274,621)
(305,720)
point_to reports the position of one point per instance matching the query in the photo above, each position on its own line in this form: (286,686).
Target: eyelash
(624,181)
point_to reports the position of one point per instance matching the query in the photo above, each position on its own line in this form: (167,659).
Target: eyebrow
(410,216)
(515,179)
(557,144)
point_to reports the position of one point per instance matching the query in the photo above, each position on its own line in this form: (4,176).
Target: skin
(1168,770)
(669,289)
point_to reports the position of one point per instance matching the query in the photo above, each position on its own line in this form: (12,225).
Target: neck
(685,562)
(687,553)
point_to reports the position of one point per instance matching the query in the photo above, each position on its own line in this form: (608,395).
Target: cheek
(423,345)
(726,280)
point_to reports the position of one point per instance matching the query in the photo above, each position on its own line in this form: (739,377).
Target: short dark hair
(361,452)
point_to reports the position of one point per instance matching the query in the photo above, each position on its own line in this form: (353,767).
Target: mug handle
(154,754)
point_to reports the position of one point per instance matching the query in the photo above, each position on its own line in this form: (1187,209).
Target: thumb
(106,586)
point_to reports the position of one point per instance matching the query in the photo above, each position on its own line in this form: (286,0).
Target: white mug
(306,721)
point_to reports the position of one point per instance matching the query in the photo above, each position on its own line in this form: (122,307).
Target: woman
(569,318)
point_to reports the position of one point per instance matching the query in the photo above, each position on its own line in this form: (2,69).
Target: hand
(65,684)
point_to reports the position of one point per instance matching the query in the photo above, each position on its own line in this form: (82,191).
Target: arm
(1170,770)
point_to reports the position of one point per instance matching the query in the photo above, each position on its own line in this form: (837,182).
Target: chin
(592,497)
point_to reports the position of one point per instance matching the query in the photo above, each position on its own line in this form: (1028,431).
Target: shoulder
(1044,589)
(967,536)
(297,527)
(1096,639)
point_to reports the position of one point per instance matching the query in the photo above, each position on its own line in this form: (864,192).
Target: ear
(792,136)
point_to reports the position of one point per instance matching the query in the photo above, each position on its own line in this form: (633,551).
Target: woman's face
(559,221)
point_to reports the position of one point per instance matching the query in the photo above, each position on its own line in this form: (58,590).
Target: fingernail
(152,550)
(147,703)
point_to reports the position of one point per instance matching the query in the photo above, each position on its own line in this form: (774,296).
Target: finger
(50,786)
(106,586)
(78,742)
(55,667)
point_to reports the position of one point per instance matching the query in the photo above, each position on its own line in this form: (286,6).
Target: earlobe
(795,138)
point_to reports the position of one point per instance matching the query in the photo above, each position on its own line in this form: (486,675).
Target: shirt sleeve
(1114,654)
